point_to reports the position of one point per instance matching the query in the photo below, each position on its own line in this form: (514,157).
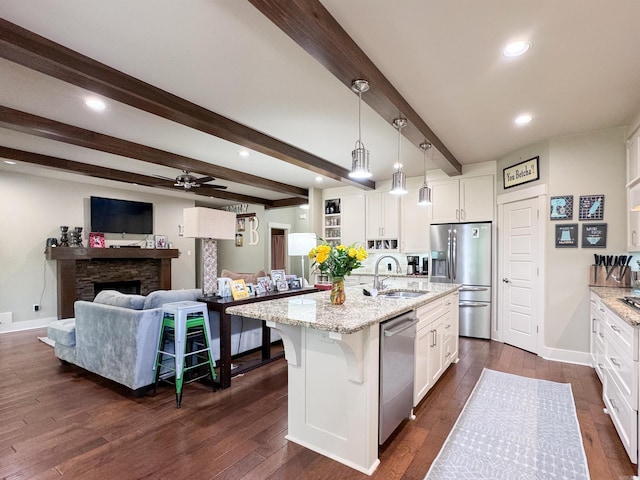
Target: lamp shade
(202,222)
(300,243)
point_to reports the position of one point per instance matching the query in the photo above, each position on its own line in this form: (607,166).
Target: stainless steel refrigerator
(461,253)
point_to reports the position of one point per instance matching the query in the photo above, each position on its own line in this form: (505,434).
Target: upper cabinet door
(353,221)
(476,199)
(414,224)
(445,195)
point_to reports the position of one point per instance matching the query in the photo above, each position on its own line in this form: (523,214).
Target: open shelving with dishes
(332,221)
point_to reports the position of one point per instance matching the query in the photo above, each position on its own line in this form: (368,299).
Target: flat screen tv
(109,215)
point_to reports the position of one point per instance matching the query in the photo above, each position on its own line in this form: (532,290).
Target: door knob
(505,280)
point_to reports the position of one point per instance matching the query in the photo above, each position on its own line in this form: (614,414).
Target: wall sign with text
(567,235)
(523,172)
(594,235)
(591,207)
(561,208)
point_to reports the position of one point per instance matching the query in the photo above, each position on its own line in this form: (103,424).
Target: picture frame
(264,284)
(161,241)
(260,289)
(251,288)
(238,239)
(240,224)
(96,240)
(594,235)
(238,289)
(591,207)
(295,284)
(277,275)
(520,173)
(561,207)
(282,286)
(567,235)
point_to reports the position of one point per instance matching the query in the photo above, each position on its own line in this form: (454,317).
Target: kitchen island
(332,353)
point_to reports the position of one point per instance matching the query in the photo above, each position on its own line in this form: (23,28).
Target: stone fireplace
(80,269)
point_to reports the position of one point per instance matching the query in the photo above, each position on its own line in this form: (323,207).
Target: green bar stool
(187,324)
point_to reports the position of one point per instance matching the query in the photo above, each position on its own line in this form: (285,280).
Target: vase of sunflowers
(337,262)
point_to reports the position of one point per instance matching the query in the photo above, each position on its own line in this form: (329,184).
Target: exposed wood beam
(38,53)
(128,177)
(312,27)
(62,132)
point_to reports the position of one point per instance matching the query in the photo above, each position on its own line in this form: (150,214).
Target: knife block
(598,277)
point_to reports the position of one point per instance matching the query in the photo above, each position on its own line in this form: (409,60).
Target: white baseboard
(25,325)
(567,356)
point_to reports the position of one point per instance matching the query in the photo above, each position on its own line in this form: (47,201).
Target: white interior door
(520,238)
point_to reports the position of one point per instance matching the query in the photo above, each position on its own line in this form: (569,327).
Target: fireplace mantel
(67,259)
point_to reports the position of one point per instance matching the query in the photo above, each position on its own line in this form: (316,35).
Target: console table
(220,304)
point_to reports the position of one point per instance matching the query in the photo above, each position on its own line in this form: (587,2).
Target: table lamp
(210,225)
(300,244)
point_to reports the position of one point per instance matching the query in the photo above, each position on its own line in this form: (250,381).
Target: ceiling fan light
(424,195)
(398,183)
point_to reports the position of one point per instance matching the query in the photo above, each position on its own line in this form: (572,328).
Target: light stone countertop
(358,312)
(610,296)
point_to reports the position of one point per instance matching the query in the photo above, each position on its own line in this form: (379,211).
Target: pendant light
(360,155)
(399,179)
(424,194)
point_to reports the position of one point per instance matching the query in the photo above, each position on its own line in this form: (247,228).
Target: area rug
(514,427)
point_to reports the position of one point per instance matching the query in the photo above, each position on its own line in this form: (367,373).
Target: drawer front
(622,370)
(433,308)
(448,350)
(624,418)
(620,332)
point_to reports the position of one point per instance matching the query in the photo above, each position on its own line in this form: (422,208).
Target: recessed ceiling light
(523,119)
(244,153)
(9,162)
(304,206)
(515,49)
(95,104)
(318,179)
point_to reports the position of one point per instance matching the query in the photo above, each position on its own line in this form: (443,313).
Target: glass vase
(337,291)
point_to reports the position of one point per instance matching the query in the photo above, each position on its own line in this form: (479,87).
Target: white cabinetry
(436,344)
(343,220)
(414,224)
(619,365)
(597,335)
(633,193)
(467,199)
(382,221)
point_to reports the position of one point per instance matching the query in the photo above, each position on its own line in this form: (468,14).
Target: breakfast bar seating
(187,323)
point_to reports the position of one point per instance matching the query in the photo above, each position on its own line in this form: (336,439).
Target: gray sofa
(116,335)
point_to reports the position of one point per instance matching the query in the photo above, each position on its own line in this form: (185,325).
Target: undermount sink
(402,294)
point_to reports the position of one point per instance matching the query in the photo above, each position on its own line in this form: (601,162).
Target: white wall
(32,208)
(587,164)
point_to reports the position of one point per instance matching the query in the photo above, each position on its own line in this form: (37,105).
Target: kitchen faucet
(379,284)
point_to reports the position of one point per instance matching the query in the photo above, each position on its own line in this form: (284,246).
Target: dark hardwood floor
(60,421)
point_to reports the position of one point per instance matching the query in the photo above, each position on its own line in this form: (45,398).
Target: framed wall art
(561,208)
(594,235)
(523,172)
(161,241)
(567,235)
(591,207)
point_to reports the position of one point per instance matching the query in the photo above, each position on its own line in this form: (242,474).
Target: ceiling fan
(188,181)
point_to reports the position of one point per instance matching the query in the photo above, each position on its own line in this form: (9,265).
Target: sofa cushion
(117,299)
(63,332)
(247,277)
(160,297)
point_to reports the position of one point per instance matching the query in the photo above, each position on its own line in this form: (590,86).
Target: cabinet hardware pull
(601,366)
(615,362)
(601,335)
(614,328)
(613,404)
(593,325)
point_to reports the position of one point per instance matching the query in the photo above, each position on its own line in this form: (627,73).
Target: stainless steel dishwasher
(397,340)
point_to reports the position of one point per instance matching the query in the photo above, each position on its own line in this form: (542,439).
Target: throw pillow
(247,277)
(117,299)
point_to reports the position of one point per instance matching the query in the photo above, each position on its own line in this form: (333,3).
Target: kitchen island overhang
(332,353)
